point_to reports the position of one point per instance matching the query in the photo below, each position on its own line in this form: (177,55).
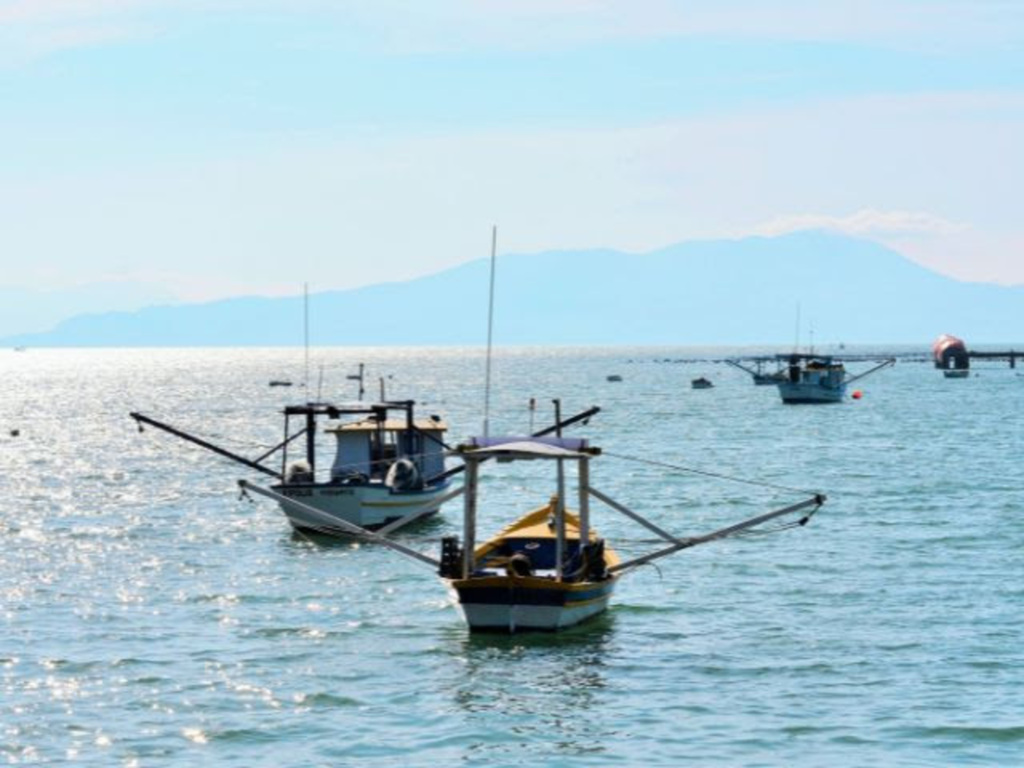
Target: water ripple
(150,617)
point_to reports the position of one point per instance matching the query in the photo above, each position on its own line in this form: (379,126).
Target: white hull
(512,618)
(368,506)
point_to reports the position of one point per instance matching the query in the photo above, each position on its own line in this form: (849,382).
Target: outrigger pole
(299,410)
(556,427)
(338,523)
(692,541)
(254,464)
(752,371)
(880,366)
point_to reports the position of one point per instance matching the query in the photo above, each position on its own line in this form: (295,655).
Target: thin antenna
(358,377)
(490,333)
(796,342)
(305,305)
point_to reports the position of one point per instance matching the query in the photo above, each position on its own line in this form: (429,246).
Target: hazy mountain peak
(700,292)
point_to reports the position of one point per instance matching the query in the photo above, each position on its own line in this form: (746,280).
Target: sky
(158,151)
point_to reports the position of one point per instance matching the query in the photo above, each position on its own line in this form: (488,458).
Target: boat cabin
(368,447)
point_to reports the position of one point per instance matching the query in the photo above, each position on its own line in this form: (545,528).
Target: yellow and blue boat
(547,570)
(516,582)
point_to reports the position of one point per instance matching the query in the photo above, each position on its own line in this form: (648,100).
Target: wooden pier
(1012,356)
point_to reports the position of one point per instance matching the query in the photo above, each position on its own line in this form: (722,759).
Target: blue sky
(194,149)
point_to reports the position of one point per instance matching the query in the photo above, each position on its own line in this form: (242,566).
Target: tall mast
(490,334)
(469,517)
(305,307)
(796,334)
(560,503)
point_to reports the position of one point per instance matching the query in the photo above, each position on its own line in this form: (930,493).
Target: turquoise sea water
(150,617)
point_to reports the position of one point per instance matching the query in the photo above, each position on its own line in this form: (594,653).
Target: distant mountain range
(711,292)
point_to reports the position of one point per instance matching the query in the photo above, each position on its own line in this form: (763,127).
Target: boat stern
(511,604)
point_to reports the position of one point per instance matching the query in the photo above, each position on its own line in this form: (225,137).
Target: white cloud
(453,25)
(866,223)
(49,11)
(33,29)
(938,175)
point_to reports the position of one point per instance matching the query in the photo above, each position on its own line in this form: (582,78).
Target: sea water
(150,616)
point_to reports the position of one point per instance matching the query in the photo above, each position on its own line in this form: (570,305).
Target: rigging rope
(211,436)
(706,473)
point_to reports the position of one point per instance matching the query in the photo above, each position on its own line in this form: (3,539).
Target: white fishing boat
(811,378)
(387,470)
(388,466)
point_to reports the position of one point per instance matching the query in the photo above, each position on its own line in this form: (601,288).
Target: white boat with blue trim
(388,466)
(811,378)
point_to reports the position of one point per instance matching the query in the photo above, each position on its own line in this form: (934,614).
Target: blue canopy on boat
(516,446)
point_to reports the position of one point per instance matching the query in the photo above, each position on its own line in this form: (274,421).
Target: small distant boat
(757,373)
(956,373)
(701,383)
(280,383)
(811,378)
(614,377)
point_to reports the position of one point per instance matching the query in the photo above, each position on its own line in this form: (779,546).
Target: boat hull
(511,604)
(370,506)
(794,393)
